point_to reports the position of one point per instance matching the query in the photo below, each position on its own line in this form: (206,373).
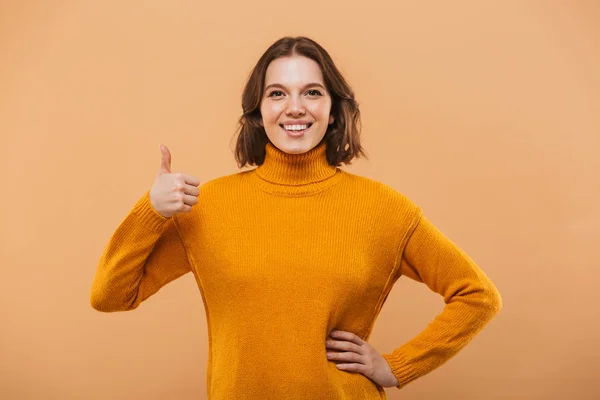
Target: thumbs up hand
(173,193)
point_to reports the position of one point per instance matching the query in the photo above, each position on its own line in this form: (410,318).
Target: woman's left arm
(471,300)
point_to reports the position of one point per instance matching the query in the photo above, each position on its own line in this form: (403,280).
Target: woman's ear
(331,119)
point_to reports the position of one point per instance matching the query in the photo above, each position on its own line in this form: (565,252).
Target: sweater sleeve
(471,301)
(144,254)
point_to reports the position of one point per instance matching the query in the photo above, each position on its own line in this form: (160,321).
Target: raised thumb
(165,163)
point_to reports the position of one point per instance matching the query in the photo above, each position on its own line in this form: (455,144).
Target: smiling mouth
(296,133)
(295,130)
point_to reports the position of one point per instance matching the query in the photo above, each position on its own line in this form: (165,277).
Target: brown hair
(342,136)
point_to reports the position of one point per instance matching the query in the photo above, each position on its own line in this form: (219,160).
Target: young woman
(295,258)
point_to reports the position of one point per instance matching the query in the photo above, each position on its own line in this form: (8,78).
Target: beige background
(486,114)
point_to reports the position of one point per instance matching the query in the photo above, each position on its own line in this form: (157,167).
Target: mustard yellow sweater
(282,255)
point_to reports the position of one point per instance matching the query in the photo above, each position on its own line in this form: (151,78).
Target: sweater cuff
(401,369)
(148,216)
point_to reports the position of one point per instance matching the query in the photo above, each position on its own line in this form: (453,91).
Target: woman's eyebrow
(283,87)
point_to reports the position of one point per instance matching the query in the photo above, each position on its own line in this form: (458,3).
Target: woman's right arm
(144,254)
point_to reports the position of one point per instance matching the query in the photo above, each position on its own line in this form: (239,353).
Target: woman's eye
(278,93)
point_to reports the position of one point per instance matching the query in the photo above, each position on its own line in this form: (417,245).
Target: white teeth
(295,127)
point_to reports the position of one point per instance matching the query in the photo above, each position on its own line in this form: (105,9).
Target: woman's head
(295,82)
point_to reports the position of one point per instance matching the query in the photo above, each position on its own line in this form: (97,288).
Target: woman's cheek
(276,109)
(320,109)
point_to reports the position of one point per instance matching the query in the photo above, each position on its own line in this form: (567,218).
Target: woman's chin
(295,145)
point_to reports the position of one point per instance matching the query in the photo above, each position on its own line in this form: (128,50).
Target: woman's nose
(295,107)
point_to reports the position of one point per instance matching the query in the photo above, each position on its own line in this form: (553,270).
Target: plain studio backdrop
(484,113)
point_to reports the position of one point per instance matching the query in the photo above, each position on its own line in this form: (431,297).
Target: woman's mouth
(295,130)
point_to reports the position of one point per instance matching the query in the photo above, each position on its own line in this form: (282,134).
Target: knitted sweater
(283,254)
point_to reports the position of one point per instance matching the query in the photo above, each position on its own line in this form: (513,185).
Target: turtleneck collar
(296,174)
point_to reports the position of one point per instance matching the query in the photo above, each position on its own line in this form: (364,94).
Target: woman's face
(295,106)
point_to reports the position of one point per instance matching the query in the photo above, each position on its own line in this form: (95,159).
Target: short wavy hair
(342,136)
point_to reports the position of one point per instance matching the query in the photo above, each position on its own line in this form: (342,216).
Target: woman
(295,258)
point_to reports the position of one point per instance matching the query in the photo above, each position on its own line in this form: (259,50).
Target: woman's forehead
(293,71)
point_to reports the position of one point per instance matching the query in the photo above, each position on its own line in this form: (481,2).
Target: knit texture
(282,255)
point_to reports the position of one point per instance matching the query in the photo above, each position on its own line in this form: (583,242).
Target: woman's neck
(309,172)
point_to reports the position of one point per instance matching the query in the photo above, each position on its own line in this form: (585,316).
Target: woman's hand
(173,193)
(356,355)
